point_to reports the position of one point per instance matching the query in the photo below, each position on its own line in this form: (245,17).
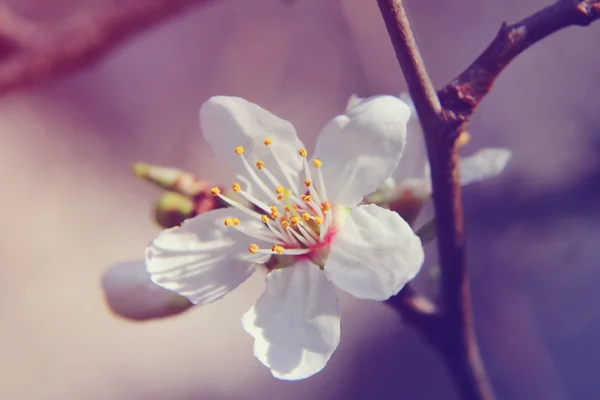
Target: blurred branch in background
(30,52)
(444,117)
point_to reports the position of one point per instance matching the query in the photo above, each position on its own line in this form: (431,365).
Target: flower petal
(203,259)
(131,294)
(228,122)
(296,322)
(361,149)
(484,164)
(374,254)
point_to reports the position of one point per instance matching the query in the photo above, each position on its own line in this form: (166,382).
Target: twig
(452,334)
(29,53)
(450,329)
(463,94)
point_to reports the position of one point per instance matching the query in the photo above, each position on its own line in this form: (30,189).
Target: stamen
(318,220)
(236,221)
(307,198)
(296,252)
(325,206)
(236,187)
(285,172)
(268,141)
(322,191)
(306,217)
(274,212)
(294,220)
(228,222)
(252,173)
(280,198)
(307,182)
(285,224)
(277,249)
(265,219)
(253,248)
(308,235)
(260,165)
(303,152)
(216,192)
(302,238)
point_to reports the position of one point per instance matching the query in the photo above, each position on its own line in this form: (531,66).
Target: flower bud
(172,179)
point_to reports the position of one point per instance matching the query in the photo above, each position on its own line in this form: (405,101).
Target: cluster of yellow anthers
(305,219)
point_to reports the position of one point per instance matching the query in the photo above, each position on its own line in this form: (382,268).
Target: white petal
(352,101)
(296,322)
(374,254)
(483,164)
(228,122)
(203,259)
(361,149)
(131,294)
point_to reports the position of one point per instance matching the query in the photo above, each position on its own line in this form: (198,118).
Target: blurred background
(70,206)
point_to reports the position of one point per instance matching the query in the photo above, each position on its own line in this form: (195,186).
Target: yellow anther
(463,139)
(317,163)
(215,191)
(253,248)
(286,209)
(306,216)
(325,206)
(283,218)
(260,164)
(268,141)
(277,249)
(274,212)
(307,182)
(236,221)
(228,221)
(319,220)
(279,190)
(239,150)
(307,198)
(236,187)
(265,219)
(295,206)
(303,152)
(285,224)
(280,198)
(294,220)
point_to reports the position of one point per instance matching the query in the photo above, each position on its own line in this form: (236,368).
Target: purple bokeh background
(71,207)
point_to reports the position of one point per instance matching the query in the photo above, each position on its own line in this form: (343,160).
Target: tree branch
(29,53)
(453,334)
(461,96)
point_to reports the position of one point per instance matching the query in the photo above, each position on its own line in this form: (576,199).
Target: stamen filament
(239,206)
(291,183)
(257,179)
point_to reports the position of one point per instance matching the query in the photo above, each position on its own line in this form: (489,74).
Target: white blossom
(305,223)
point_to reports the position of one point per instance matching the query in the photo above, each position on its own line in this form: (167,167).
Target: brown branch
(463,94)
(453,334)
(29,53)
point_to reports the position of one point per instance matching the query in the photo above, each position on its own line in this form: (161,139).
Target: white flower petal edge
(374,254)
(361,149)
(228,122)
(203,259)
(131,294)
(484,164)
(296,322)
